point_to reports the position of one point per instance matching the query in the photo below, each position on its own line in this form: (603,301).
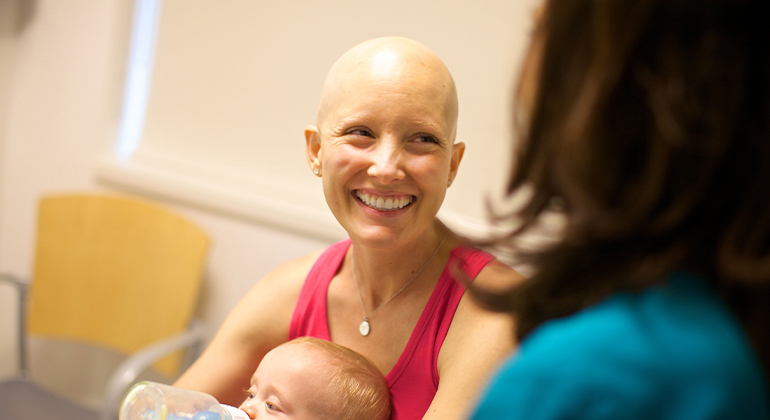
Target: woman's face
(387,155)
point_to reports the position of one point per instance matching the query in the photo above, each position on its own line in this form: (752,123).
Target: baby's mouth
(384,203)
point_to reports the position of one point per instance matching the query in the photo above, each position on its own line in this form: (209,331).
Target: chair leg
(22,288)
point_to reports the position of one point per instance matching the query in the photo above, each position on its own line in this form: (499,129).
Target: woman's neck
(382,272)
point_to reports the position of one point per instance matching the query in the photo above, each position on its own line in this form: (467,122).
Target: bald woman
(384,149)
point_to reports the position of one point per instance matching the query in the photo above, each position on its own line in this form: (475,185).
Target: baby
(309,378)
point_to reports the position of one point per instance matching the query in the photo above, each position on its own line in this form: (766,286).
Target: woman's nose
(386,163)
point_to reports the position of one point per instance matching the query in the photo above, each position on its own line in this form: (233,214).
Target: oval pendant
(364,328)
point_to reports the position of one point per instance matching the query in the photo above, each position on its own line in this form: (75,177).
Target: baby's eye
(270,406)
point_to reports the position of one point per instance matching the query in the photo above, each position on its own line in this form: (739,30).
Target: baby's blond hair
(358,384)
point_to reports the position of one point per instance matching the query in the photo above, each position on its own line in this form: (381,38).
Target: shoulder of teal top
(671,350)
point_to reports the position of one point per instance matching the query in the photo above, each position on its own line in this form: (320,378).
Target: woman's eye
(360,132)
(427,139)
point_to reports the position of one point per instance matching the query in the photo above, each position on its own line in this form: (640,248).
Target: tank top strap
(414,380)
(309,316)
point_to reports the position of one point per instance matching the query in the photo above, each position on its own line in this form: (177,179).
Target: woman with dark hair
(646,128)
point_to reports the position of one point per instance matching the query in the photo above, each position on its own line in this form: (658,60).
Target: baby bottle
(154,401)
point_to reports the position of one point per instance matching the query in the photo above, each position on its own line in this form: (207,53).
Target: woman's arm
(476,344)
(257,324)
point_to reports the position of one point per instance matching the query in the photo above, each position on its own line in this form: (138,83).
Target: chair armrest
(22,286)
(15,280)
(127,372)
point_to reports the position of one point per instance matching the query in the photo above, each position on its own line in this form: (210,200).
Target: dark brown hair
(649,135)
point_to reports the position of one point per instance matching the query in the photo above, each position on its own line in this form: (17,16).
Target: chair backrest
(114,271)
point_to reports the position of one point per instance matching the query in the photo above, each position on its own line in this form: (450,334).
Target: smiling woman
(229,88)
(377,110)
(384,135)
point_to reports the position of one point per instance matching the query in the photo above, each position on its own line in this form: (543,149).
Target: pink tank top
(413,381)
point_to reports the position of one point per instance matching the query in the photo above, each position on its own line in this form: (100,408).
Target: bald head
(395,62)
(386,126)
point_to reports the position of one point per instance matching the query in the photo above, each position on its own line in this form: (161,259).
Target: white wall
(61,79)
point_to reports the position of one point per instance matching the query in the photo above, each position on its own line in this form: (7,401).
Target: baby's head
(309,378)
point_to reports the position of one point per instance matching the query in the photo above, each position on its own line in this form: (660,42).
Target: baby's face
(291,383)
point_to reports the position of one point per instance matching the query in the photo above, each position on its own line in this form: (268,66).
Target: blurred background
(200,106)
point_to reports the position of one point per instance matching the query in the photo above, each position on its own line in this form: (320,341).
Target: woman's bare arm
(257,324)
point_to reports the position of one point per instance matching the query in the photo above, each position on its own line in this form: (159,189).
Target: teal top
(671,352)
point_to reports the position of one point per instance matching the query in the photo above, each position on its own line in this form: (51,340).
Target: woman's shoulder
(675,326)
(651,350)
(298,268)
(295,269)
(484,268)
(281,286)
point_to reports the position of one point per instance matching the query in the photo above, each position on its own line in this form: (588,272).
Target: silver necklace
(364,328)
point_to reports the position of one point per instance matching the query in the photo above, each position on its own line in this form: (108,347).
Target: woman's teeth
(383,203)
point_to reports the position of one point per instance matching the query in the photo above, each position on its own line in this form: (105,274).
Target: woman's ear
(313,149)
(458,149)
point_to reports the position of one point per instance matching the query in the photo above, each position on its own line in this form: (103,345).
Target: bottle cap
(235,413)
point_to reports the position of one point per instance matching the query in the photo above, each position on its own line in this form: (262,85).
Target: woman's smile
(383,203)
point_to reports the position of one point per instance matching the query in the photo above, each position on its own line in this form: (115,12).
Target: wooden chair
(116,274)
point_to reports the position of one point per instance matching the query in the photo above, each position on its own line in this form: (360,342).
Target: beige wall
(61,78)
(8,28)
(234,84)
(60,88)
